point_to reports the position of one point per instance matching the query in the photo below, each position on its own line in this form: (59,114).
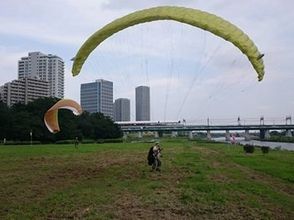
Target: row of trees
(20,120)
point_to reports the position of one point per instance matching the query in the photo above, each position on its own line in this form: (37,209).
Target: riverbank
(102,181)
(271,144)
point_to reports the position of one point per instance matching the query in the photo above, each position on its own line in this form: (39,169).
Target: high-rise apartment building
(1,93)
(24,91)
(46,67)
(142,103)
(97,97)
(121,109)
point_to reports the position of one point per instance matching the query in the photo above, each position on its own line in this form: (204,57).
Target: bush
(21,142)
(248,148)
(282,139)
(101,141)
(265,149)
(88,141)
(65,142)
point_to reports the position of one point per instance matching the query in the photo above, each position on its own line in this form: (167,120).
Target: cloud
(63,22)
(129,4)
(38,32)
(179,62)
(9,58)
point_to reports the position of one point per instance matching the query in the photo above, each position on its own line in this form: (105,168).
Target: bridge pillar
(289,133)
(247,135)
(208,136)
(190,135)
(227,135)
(156,135)
(140,135)
(267,134)
(262,134)
(174,134)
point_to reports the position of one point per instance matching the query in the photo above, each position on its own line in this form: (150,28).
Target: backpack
(150,156)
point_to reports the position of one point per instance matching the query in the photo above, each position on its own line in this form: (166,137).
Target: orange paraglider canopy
(51,116)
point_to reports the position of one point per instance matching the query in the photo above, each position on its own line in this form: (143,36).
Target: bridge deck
(206,127)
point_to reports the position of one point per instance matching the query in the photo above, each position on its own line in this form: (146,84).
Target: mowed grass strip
(111,181)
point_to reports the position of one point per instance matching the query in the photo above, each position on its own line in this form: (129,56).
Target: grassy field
(113,181)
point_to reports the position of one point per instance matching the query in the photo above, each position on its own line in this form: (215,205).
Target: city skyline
(39,75)
(35,80)
(193,74)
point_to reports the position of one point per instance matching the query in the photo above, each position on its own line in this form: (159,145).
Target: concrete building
(24,91)
(121,110)
(1,93)
(45,67)
(142,103)
(97,97)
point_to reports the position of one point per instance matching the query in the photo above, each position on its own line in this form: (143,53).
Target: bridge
(174,128)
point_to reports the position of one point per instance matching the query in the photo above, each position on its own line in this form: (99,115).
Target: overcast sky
(192,73)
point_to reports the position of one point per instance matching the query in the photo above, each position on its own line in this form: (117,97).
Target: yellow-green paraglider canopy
(194,17)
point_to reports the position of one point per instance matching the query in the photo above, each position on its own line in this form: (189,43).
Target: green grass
(109,181)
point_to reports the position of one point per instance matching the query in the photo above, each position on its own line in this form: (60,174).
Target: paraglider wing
(51,116)
(194,17)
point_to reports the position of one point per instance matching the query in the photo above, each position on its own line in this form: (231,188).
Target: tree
(18,121)
(4,119)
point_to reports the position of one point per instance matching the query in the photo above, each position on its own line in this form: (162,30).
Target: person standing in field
(233,139)
(154,157)
(76,142)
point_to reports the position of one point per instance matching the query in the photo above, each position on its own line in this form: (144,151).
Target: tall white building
(142,103)
(2,93)
(97,97)
(121,110)
(45,67)
(24,91)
